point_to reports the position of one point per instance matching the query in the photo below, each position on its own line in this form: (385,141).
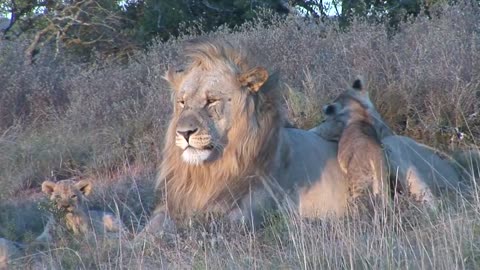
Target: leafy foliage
(106,28)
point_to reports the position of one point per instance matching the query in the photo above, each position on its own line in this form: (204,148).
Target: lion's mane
(249,153)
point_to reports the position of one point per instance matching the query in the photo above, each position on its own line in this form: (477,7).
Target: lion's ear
(254,79)
(48,187)
(84,186)
(358,84)
(172,76)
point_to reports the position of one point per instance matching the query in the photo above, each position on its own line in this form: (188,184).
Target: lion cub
(360,152)
(68,197)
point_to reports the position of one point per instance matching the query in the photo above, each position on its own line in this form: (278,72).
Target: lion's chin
(195,156)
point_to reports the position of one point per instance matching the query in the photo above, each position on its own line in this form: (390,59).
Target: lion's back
(431,167)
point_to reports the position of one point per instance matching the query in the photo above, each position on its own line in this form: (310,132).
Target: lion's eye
(211,101)
(73,196)
(329,109)
(181,103)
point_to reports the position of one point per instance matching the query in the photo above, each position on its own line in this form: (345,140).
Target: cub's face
(205,105)
(351,105)
(67,195)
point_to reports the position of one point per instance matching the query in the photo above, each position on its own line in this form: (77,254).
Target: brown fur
(227,150)
(361,157)
(422,172)
(69,196)
(251,140)
(360,152)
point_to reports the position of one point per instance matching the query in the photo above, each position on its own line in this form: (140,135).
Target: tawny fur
(69,196)
(422,172)
(360,152)
(254,137)
(361,157)
(258,158)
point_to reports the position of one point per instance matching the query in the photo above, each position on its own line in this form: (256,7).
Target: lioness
(227,150)
(68,196)
(360,153)
(419,170)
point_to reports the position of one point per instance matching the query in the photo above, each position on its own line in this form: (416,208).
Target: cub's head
(67,195)
(352,105)
(212,95)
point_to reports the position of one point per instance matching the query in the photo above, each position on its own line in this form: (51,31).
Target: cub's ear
(84,186)
(358,84)
(254,79)
(172,76)
(329,109)
(48,187)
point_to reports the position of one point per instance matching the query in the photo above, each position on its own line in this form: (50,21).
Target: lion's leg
(158,225)
(361,193)
(47,234)
(112,224)
(418,189)
(254,207)
(369,191)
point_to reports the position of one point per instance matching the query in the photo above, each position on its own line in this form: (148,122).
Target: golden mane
(252,140)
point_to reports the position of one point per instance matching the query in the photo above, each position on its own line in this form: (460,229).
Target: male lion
(68,197)
(360,153)
(227,150)
(419,170)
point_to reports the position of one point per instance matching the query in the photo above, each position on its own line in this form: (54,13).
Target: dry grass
(447,239)
(106,122)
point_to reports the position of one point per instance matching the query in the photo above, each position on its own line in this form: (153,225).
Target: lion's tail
(468,162)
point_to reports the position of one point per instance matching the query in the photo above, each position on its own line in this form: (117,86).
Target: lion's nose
(63,205)
(187,133)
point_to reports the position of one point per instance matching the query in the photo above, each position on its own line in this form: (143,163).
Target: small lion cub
(68,197)
(360,152)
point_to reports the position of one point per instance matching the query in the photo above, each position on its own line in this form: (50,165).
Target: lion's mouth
(66,208)
(197,156)
(206,147)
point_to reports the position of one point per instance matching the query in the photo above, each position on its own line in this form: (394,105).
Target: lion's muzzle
(186,133)
(196,145)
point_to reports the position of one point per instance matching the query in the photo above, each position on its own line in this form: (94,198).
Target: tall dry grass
(106,122)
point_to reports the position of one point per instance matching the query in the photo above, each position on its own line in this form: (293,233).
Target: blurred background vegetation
(105,28)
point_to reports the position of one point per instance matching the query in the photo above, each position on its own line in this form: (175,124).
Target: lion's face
(67,195)
(204,108)
(351,105)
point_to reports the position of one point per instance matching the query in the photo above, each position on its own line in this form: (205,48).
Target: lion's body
(68,197)
(302,169)
(420,171)
(227,150)
(361,156)
(360,152)
(423,172)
